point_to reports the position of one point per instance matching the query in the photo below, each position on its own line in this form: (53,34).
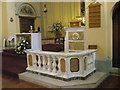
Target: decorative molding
(61,64)
(74,64)
(25,9)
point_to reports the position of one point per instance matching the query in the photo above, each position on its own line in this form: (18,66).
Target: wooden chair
(60,41)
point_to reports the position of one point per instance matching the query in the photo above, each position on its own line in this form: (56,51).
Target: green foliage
(57,27)
(21,47)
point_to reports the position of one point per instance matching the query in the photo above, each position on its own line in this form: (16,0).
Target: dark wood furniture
(92,47)
(12,63)
(59,42)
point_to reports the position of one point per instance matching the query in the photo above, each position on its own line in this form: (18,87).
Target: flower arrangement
(57,27)
(21,47)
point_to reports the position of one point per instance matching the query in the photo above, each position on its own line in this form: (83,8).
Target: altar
(62,65)
(74,63)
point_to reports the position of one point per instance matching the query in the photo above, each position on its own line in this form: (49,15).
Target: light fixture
(45,9)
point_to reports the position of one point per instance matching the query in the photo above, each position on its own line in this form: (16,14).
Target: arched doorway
(27,16)
(25,23)
(116,35)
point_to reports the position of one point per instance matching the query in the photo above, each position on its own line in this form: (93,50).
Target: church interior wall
(102,37)
(0,26)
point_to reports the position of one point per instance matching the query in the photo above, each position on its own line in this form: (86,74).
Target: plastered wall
(110,7)
(4,30)
(58,12)
(10,28)
(102,36)
(0,26)
(13,27)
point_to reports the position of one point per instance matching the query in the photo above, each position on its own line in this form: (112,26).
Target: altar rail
(60,64)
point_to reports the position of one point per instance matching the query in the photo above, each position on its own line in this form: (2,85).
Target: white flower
(23,40)
(19,48)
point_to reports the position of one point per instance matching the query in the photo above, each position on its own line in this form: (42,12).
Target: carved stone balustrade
(62,65)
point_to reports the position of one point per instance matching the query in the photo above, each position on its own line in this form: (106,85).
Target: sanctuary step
(91,82)
(12,63)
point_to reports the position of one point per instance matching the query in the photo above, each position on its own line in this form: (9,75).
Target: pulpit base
(91,82)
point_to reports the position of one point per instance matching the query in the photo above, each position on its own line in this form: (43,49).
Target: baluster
(93,57)
(34,61)
(39,61)
(44,63)
(49,64)
(59,65)
(54,65)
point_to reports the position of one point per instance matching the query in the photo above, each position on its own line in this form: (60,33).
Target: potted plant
(57,29)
